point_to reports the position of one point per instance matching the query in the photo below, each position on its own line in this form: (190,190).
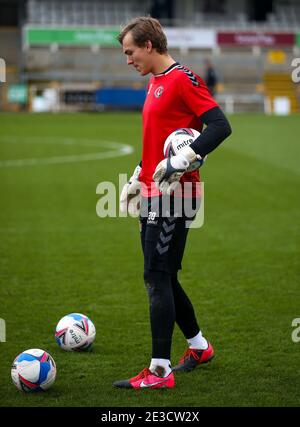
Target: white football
(75,332)
(179,139)
(33,370)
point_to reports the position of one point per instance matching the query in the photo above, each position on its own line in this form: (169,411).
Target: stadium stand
(286,14)
(88,12)
(245,70)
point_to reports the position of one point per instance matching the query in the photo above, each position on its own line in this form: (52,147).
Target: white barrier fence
(240,103)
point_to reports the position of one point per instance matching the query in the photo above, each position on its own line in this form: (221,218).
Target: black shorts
(163,238)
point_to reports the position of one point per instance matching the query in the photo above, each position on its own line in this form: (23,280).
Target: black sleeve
(217,129)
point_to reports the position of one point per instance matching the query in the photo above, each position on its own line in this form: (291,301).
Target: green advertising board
(298,39)
(71,37)
(17,93)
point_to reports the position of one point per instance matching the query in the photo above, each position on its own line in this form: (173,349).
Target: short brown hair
(145,28)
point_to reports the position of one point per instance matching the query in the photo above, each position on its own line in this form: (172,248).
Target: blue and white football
(75,332)
(33,370)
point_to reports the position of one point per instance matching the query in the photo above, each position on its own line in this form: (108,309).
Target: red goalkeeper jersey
(175,99)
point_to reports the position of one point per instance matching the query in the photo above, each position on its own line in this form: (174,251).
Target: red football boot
(147,379)
(193,358)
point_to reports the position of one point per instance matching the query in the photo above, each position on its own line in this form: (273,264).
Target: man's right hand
(131,194)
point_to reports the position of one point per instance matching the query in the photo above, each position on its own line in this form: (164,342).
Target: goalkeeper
(176,98)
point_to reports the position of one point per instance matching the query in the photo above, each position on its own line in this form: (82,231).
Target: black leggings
(168,304)
(163,243)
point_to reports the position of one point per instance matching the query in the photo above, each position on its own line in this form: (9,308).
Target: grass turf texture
(241,269)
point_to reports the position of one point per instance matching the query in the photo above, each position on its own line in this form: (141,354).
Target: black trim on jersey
(167,70)
(190,75)
(180,67)
(217,129)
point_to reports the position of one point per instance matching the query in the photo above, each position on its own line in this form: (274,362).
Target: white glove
(131,194)
(169,171)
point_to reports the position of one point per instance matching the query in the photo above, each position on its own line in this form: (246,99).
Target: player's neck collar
(167,70)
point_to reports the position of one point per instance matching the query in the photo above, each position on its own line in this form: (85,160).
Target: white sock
(161,367)
(198,342)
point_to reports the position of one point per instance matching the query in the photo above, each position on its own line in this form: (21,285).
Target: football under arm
(217,129)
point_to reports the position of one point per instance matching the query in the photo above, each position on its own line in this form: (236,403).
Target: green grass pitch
(241,269)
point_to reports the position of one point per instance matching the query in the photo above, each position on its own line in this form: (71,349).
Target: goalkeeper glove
(169,171)
(131,194)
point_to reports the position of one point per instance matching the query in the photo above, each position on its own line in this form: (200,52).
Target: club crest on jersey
(158,92)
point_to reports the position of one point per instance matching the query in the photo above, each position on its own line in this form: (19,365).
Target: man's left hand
(169,171)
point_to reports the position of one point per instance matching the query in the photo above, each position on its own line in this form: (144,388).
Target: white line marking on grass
(118,151)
